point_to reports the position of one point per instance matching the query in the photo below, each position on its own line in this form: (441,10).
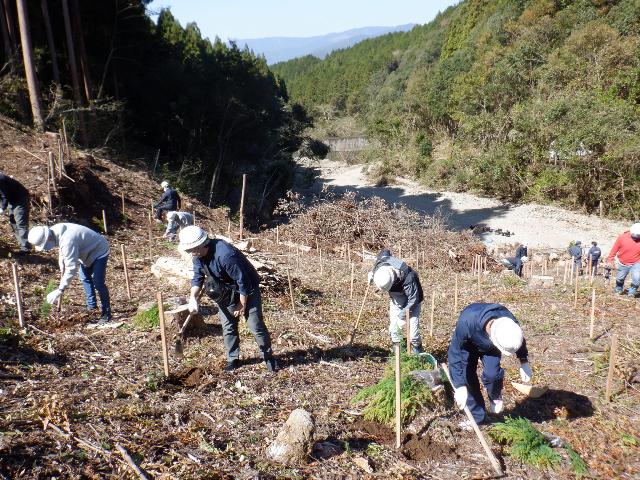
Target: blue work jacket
(470,338)
(228,265)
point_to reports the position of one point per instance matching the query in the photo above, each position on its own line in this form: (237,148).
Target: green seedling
(148,319)
(525,442)
(45,308)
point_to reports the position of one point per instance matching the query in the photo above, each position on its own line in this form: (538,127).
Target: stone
(543,281)
(175,271)
(292,444)
(363,463)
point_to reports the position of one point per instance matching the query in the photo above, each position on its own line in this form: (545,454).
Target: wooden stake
(398,397)
(455,297)
(408,321)
(593,312)
(564,276)
(104,222)
(277,235)
(16,284)
(52,168)
(49,173)
(244,185)
(349,252)
(575,300)
(433,307)
(492,458)
(229,229)
(321,263)
(355,327)
(473,264)
(612,365)
(163,335)
(126,272)
(293,303)
(123,212)
(353,266)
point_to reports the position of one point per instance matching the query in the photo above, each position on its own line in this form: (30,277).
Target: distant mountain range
(279,49)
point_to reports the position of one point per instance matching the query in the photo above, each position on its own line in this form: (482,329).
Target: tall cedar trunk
(29,70)
(52,46)
(82,52)
(73,67)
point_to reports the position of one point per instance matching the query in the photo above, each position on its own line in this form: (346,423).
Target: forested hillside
(199,112)
(523,100)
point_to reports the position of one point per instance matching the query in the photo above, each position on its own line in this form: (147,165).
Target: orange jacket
(627,249)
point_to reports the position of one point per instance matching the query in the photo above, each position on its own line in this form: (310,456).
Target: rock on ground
(292,444)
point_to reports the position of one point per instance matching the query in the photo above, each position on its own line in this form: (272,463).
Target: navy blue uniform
(594,254)
(521,251)
(470,343)
(169,201)
(14,198)
(228,266)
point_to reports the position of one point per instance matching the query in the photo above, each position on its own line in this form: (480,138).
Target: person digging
(401,282)
(176,221)
(626,252)
(484,332)
(233,283)
(83,251)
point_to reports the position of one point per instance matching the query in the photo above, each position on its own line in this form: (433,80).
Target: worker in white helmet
(169,201)
(82,251)
(233,283)
(394,276)
(626,252)
(484,332)
(177,221)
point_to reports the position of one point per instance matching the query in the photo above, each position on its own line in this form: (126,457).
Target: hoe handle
(355,327)
(492,458)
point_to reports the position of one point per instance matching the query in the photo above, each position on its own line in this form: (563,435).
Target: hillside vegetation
(199,112)
(522,100)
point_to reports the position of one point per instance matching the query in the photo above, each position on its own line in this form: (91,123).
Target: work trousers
(19,221)
(492,379)
(398,322)
(623,271)
(93,278)
(163,208)
(255,322)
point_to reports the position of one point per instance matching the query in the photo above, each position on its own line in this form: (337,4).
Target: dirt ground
(71,394)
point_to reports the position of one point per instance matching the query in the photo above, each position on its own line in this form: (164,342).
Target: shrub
(148,319)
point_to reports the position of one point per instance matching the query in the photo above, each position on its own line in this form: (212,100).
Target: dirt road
(539,225)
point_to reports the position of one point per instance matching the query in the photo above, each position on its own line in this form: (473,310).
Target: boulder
(292,444)
(174,270)
(543,281)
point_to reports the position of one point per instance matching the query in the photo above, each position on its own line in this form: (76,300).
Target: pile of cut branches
(334,221)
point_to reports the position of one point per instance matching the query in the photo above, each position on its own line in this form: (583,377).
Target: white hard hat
(506,335)
(635,230)
(191,237)
(38,237)
(164,184)
(384,277)
(171,214)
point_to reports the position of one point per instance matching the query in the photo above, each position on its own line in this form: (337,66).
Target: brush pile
(331,222)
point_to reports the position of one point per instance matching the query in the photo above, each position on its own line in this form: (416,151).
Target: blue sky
(296,18)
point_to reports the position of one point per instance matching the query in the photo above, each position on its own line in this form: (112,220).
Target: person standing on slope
(626,252)
(401,282)
(14,199)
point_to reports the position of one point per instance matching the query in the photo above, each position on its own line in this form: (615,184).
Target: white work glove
(496,405)
(525,372)
(1,211)
(193,305)
(53,296)
(370,277)
(460,395)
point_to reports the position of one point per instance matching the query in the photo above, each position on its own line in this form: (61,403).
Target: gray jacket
(78,245)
